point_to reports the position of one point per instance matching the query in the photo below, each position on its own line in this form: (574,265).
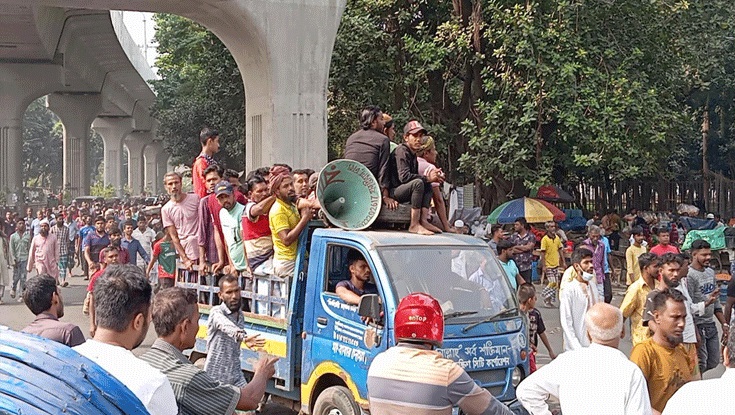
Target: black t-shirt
(731,288)
(535,326)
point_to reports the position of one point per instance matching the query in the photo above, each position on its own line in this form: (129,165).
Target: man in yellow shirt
(634,303)
(286,224)
(551,262)
(631,255)
(663,360)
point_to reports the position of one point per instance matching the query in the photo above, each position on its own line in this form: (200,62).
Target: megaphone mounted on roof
(349,194)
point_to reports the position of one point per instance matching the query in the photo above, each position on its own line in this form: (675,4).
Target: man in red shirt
(663,246)
(109,256)
(210,146)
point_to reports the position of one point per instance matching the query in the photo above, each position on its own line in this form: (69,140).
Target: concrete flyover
(89,68)
(283,50)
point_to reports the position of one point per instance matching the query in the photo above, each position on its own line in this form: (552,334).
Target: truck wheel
(336,400)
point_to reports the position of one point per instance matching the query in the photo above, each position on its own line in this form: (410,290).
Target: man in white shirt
(713,396)
(146,236)
(577,377)
(578,296)
(122,309)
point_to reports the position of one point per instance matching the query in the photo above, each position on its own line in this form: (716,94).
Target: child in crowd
(164,254)
(536,327)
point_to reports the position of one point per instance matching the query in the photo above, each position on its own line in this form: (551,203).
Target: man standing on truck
(286,224)
(412,378)
(209,138)
(225,332)
(180,217)
(176,320)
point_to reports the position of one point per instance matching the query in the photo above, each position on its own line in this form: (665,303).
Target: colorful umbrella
(552,193)
(534,210)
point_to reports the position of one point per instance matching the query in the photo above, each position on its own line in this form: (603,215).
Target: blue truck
(325,346)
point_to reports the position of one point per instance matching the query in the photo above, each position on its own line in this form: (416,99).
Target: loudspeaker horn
(349,194)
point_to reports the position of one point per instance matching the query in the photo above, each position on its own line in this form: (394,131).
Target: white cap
(459,223)
(710,216)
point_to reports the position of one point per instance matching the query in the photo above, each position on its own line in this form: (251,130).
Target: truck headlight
(517,376)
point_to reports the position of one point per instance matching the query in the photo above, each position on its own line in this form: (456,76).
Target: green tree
(43,157)
(200,86)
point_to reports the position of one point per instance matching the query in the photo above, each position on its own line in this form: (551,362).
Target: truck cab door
(340,340)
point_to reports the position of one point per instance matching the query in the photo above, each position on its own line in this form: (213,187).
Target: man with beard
(634,303)
(231,216)
(44,252)
(123,299)
(703,287)
(286,224)
(116,242)
(668,277)
(176,320)
(256,231)
(94,243)
(61,232)
(180,216)
(662,358)
(43,298)
(225,333)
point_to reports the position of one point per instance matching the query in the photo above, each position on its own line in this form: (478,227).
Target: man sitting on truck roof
(359,283)
(176,320)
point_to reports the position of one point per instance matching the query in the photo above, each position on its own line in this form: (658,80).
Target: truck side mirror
(370,307)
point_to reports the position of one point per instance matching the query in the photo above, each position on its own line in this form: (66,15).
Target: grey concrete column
(113,131)
(135,143)
(77,111)
(162,168)
(151,153)
(20,84)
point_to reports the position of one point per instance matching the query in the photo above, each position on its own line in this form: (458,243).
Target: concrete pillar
(20,84)
(151,153)
(135,143)
(77,111)
(113,131)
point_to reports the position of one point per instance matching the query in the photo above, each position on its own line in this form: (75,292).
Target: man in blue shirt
(83,232)
(132,245)
(505,251)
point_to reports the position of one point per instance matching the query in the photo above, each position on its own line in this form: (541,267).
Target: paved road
(16,316)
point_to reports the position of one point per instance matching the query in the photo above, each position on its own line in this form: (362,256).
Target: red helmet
(419,317)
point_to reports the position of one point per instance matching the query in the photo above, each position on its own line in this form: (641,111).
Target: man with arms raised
(225,333)
(575,377)
(176,320)
(123,300)
(43,298)
(180,216)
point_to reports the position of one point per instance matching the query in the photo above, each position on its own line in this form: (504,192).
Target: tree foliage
(43,158)
(200,86)
(519,93)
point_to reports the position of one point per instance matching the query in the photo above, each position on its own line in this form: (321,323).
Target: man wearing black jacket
(409,184)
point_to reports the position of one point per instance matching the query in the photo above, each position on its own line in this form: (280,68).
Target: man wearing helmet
(412,378)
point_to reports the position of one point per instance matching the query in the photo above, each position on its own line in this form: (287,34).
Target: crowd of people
(239,229)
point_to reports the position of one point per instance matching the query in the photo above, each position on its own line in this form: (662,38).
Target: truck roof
(397,238)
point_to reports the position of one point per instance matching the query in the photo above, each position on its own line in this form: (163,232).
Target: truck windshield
(469,282)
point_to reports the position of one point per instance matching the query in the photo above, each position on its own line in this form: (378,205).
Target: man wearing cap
(371,147)
(44,252)
(410,186)
(231,218)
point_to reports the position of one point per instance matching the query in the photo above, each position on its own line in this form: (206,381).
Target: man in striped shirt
(412,378)
(176,320)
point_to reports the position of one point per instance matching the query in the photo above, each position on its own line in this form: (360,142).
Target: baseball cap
(223,187)
(412,127)
(710,216)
